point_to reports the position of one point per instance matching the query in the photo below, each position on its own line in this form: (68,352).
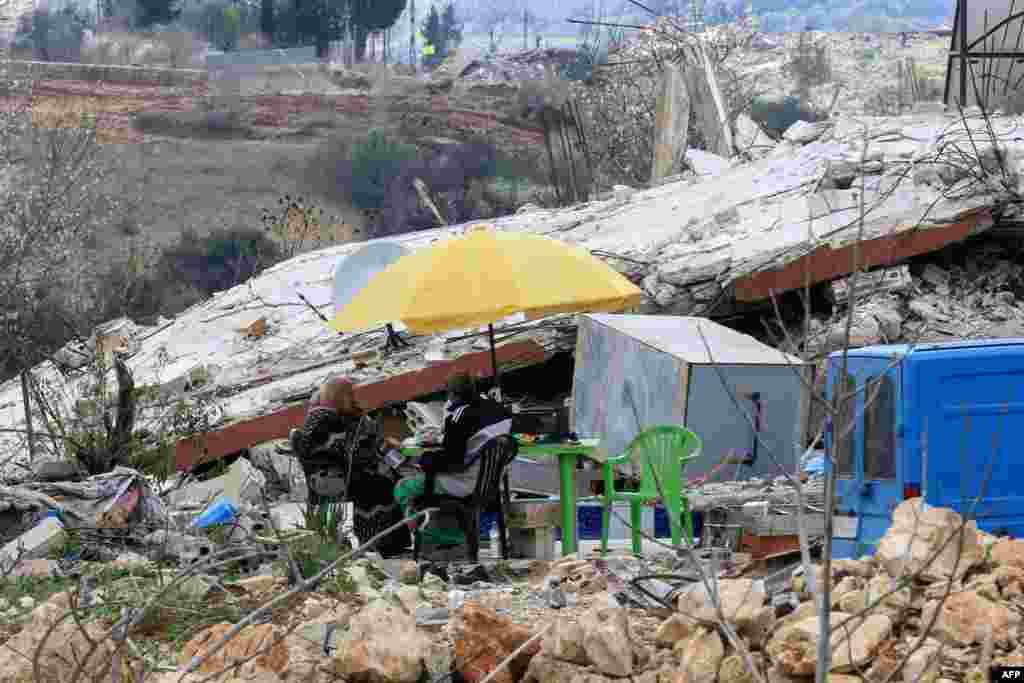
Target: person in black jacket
(341,450)
(470,422)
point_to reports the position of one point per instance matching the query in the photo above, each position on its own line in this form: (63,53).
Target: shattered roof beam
(407,386)
(825,263)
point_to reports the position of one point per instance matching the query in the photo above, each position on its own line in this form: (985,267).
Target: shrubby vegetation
(775,116)
(53,35)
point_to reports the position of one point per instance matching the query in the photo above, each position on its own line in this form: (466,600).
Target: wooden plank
(407,386)
(826,263)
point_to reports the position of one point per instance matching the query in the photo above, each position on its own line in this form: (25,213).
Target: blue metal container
(942,421)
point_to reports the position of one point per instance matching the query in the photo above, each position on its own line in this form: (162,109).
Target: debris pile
(981,296)
(939,601)
(516,66)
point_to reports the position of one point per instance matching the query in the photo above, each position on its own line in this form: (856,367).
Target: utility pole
(526,42)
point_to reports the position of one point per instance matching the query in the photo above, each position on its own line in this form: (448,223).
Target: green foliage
(775,116)
(304,22)
(53,35)
(441,30)
(222,22)
(219,260)
(374,164)
(591,53)
(232,28)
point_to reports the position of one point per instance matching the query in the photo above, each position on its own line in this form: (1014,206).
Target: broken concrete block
(197,494)
(282,469)
(56,470)
(802,132)
(243,482)
(671,123)
(288,516)
(35,543)
(887,280)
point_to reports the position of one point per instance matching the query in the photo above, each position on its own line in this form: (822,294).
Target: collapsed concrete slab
(894,187)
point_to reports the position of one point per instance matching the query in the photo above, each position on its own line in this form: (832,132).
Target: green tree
(373,165)
(369,16)
(319,22)
(433,38)
(157,12)
(442,31)
(232,27)
(267,18)
(451,26)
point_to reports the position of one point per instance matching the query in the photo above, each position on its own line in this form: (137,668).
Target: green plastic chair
(663,450)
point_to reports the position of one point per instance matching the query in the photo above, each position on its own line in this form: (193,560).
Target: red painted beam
(407,386)
(826,263)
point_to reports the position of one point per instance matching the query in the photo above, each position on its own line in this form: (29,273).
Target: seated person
(470,422)
(341,450)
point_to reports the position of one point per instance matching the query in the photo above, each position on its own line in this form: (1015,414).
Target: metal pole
(963,53)
(494,360)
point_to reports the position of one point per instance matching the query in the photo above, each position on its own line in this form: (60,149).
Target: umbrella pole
(494,360)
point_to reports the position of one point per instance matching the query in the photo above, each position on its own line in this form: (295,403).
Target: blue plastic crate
(588,523)
(662,529)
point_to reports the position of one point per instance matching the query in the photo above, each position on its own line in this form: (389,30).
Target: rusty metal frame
(966,54)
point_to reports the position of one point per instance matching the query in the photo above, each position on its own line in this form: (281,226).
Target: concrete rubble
(402,621)
(710,243)
(975,296)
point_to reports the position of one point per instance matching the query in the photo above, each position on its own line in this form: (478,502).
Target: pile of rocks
(939,602)
(981,297)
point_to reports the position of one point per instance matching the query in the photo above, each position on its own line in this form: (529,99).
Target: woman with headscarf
(345,457)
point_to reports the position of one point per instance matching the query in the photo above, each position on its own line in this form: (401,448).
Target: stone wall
(61,71)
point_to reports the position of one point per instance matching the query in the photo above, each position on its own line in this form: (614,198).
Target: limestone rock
(802,132)
(546,669)
(382,645)
(923,666)
(847,584)
(608,642)
(917,534)
(409,572)
(965,618)
(860,568)
(60,650)
(888,593)
(734,670)
(1009,552)
(565,641)
(258,585)
(758,628)
(483,639)
(249,641)
(1010,581)
(674,629)
(700,655)
(853,602)
(740,600)
(793,649)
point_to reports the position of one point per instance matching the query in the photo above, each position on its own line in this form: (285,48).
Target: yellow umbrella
(483,277)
